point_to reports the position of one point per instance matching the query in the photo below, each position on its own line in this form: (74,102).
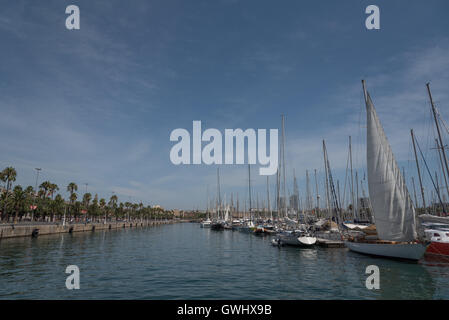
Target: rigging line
(430,175)
(441,118)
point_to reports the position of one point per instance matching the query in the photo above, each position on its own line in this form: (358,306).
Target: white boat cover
(435,219)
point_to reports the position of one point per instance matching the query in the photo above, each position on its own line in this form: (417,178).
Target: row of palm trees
(45,204)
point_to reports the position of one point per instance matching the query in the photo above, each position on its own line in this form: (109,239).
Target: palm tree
(58,206)
(86,200)
(113,203)
(71,189)
(45,187)
(19,198)
(8,175)
(102,209)
(53,187)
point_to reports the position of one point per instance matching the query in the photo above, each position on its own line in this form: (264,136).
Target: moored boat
(217,225)
(439,237)
(296,238)
(206,223)
(391,249)
(393,210)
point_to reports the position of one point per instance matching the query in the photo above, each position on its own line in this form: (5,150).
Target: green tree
(8,176)
(71,189)
(19,198)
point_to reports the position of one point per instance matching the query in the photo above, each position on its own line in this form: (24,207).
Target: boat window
(436,234)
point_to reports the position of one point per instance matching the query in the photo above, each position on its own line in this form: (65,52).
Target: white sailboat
(392,207)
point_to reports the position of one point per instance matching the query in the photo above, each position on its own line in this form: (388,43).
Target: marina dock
(29,230)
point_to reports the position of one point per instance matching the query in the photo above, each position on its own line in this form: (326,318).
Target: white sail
(226,217)
(393,210)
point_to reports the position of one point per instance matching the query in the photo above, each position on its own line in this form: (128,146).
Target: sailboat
(208,222)
(218,223)
(392,206)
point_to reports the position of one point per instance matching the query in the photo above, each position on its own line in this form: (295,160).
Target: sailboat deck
(330,243)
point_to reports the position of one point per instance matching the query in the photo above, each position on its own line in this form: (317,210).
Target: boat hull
(307,241)
(297,241)
(217,226)
(438,248)
(410,251)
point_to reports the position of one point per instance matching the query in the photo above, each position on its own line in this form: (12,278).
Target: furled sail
(393,210)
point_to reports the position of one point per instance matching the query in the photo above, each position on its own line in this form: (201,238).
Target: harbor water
(184,261)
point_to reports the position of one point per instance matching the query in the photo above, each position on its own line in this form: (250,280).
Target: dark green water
(183,261)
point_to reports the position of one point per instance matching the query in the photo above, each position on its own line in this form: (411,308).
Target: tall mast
(283,165)
(438,130)
(207,210)
(352,180)
(232,204)
(419,171)
(295,191)
(442,165)
(278,193)
(218,193)
(308,202)
(356,207)
(317,196)
(249,191)
(338,193)
(238,211)
(437,183)
(327,181)
(268,199)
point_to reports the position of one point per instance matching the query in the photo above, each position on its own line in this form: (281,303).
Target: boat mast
(317,197)
(308,202)
(441,163)
(438,130)
(207,205)
(249,190)
(268,200)
(278,200)
(283,165)
(237,208)
(338,195)
(326,181)
(295,192)
(419,171)
(356,207)
(218,192)
(352,181)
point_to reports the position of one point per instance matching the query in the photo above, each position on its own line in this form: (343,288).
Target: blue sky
(97,105)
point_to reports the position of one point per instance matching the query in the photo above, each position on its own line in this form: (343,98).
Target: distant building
(178,213)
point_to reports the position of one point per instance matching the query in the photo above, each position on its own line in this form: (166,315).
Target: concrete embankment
(29,230)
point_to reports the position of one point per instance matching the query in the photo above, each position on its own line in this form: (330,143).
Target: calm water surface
(183,261)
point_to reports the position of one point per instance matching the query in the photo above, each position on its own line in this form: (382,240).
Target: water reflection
(183,261)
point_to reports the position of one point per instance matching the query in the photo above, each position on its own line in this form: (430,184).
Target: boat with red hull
(439,237)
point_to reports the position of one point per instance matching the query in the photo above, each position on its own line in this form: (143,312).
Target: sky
(97,105)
